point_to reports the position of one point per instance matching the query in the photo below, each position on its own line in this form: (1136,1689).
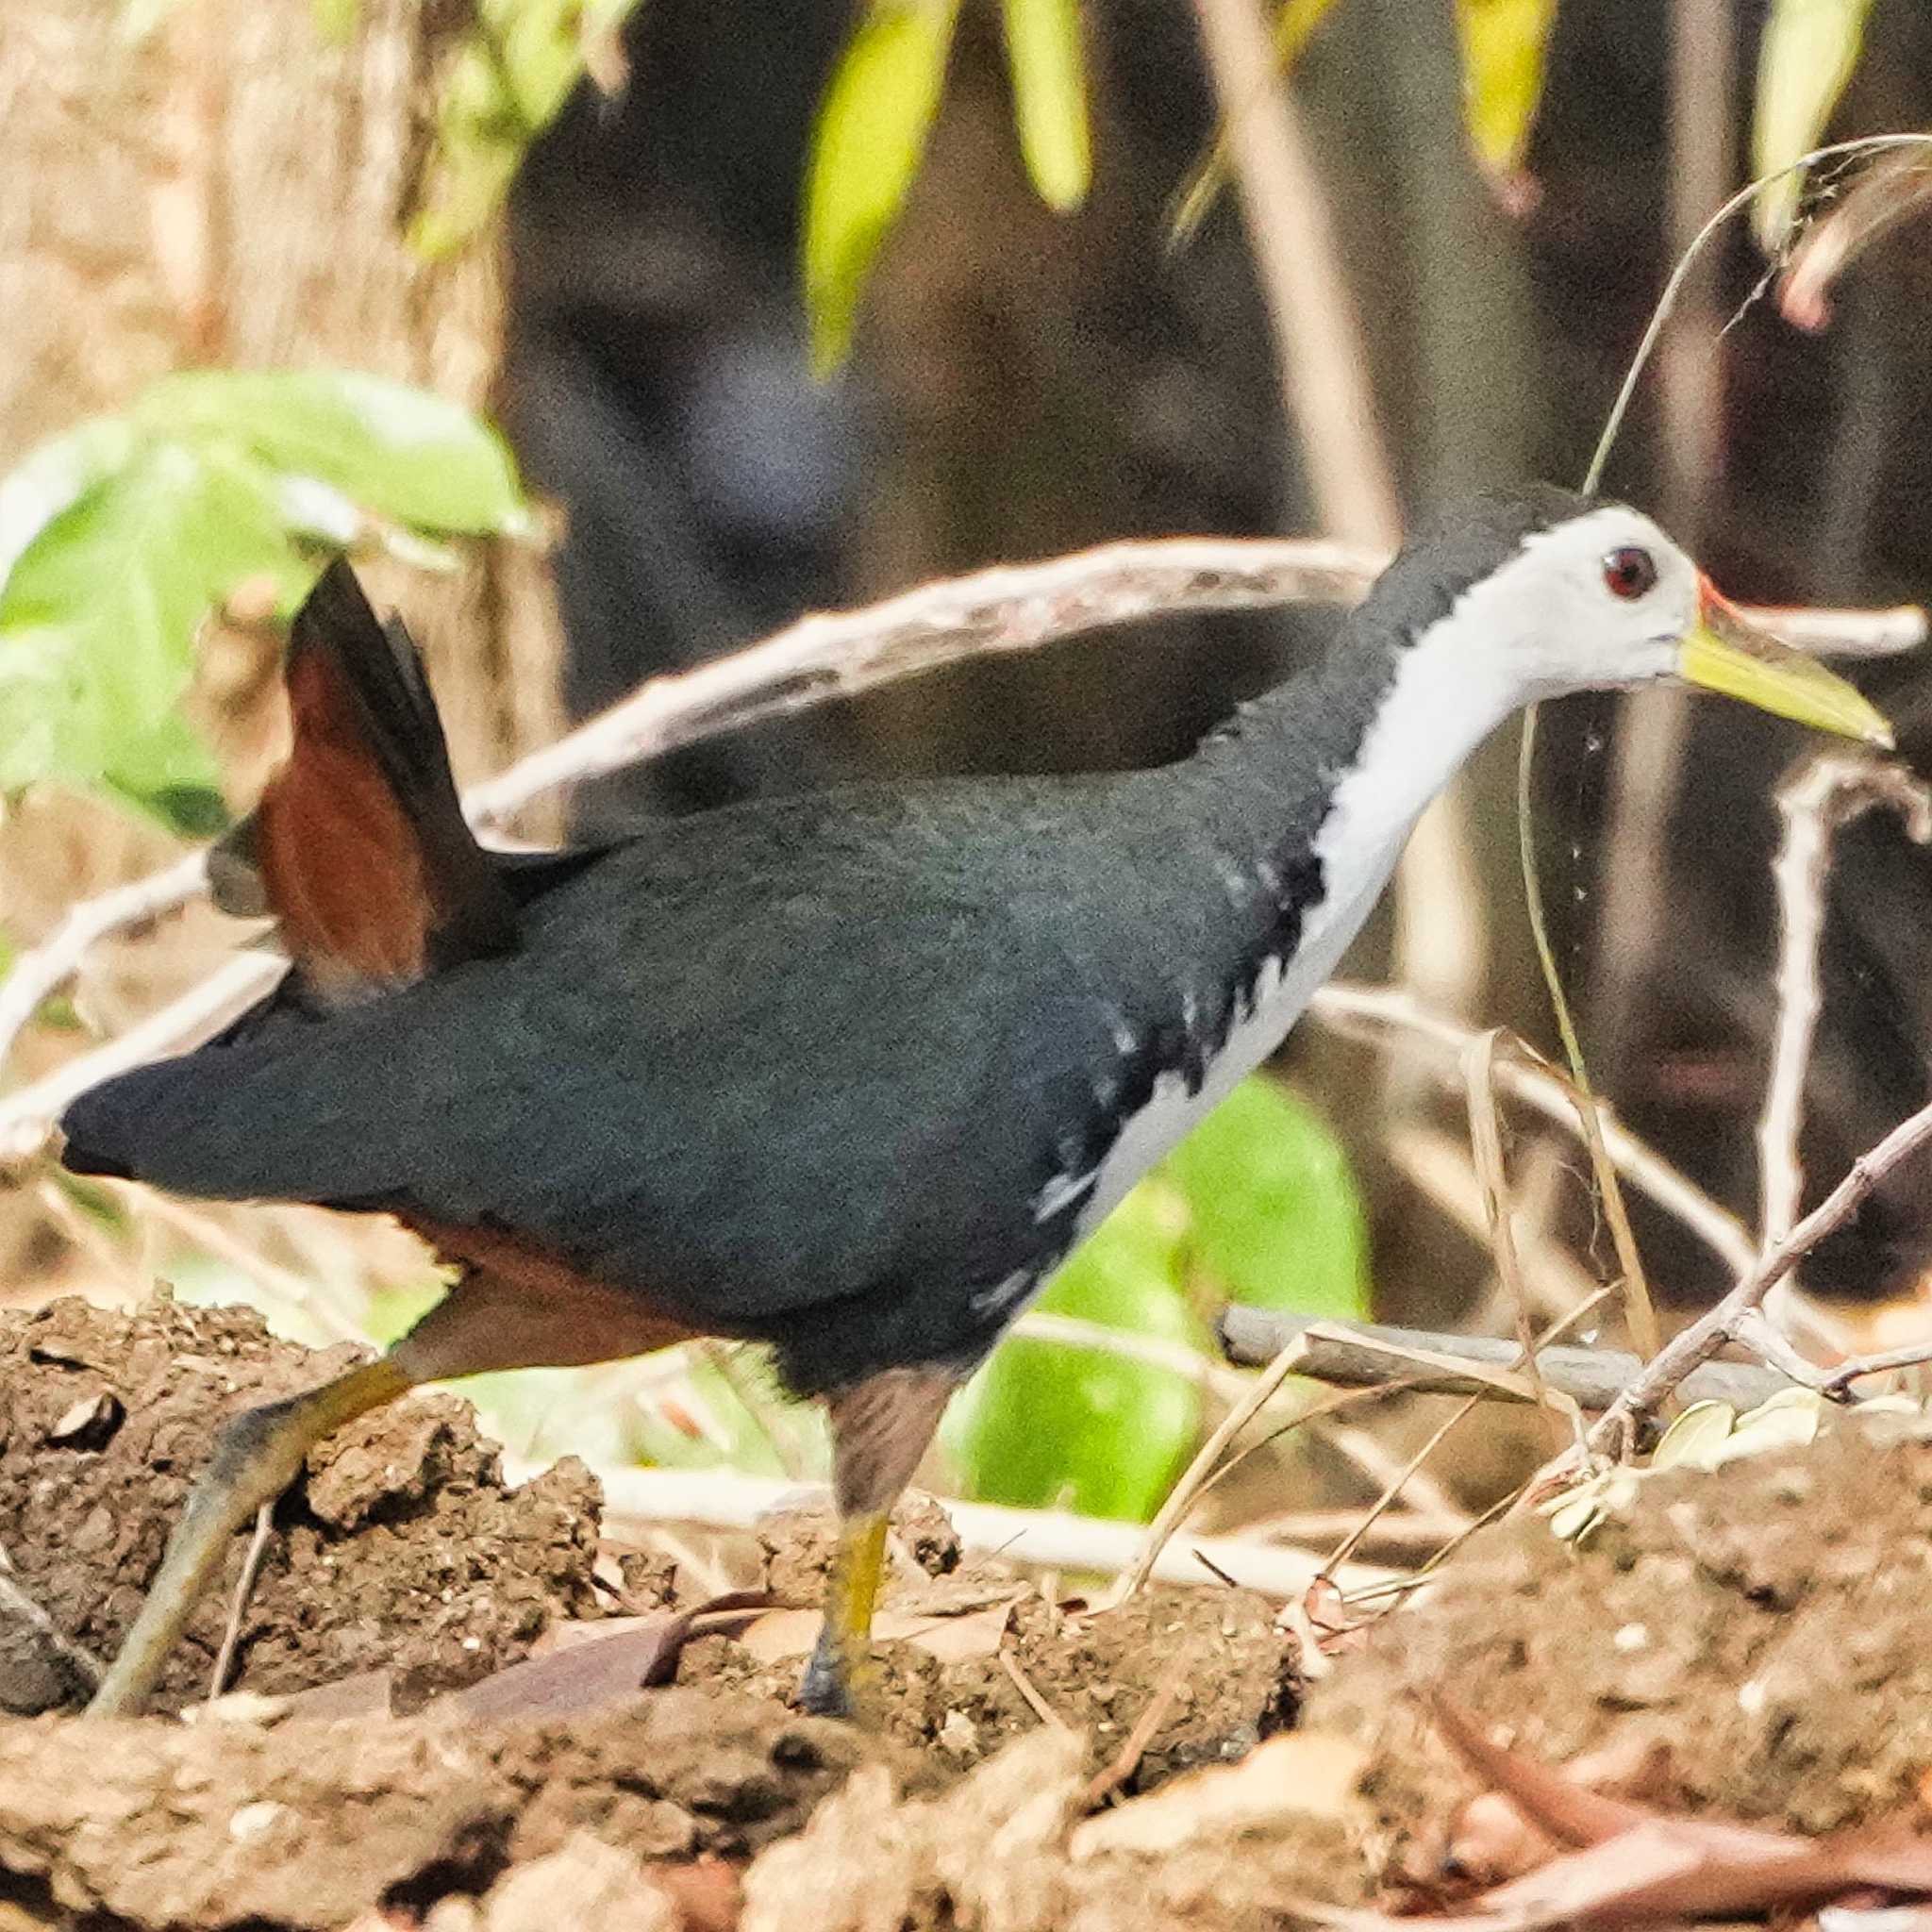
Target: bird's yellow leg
(256,1456)
(839,1661)
(881,1428)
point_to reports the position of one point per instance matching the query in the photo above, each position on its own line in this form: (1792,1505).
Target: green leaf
(1805,59)
(1275,1211)
(872,131)
(1044,1426)
(1047,66)
(1504,45)
(98,619)
(401,452)
(54,477)
(505,86)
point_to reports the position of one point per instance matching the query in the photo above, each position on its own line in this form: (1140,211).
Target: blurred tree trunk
(234,190)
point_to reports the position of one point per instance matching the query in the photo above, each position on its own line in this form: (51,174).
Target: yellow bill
(1723,651)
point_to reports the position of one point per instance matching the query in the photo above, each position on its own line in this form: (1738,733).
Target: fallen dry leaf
(612,1660)
(1641,1866)
(1550,1801)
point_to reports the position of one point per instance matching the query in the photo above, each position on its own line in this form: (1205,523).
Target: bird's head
(1554,593)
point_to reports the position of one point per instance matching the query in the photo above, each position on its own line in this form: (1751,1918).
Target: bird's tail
(358,847)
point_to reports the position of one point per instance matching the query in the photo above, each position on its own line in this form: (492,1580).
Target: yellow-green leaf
(1806,55)
(1504,45)
(871,135)
(1048,69)
(505,85)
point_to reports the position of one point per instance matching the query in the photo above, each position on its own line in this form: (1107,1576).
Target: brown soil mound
(1035,1768)
(402,1547)
(1762,1636)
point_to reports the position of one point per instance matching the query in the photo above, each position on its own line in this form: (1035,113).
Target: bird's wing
(748,1066)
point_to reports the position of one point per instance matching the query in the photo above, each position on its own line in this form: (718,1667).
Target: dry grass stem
(1440,1169)
(1351,1540)
(1486,1143)
(1374,1013)
(1195,1477)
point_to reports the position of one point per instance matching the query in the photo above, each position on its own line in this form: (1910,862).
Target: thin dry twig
(1030,1692)
(1827,794)
(1009,608)
(1355,1355)
(1112,1775)
(16,1602)
(1840,1375)
(238,1610)
(43,971)
(1696,1345)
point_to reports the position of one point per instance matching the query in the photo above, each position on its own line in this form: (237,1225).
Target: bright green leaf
(54,477)
(1044,1426)
(1806,57)
(1045,59)
(1504,45)
(1274,1213)
(401,452)
(98,620)
(872,131)
(505,85)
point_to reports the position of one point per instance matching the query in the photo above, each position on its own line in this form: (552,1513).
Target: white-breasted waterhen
(846,1072)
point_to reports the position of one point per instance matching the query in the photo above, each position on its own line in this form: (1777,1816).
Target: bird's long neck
(1257,859)
(1332,768)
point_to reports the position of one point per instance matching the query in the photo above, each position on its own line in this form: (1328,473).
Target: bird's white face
(1606,601)
(1602,601)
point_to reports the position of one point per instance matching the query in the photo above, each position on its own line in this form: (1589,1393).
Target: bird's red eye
(1629,572)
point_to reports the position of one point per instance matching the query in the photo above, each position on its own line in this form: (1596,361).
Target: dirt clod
(401,1547)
